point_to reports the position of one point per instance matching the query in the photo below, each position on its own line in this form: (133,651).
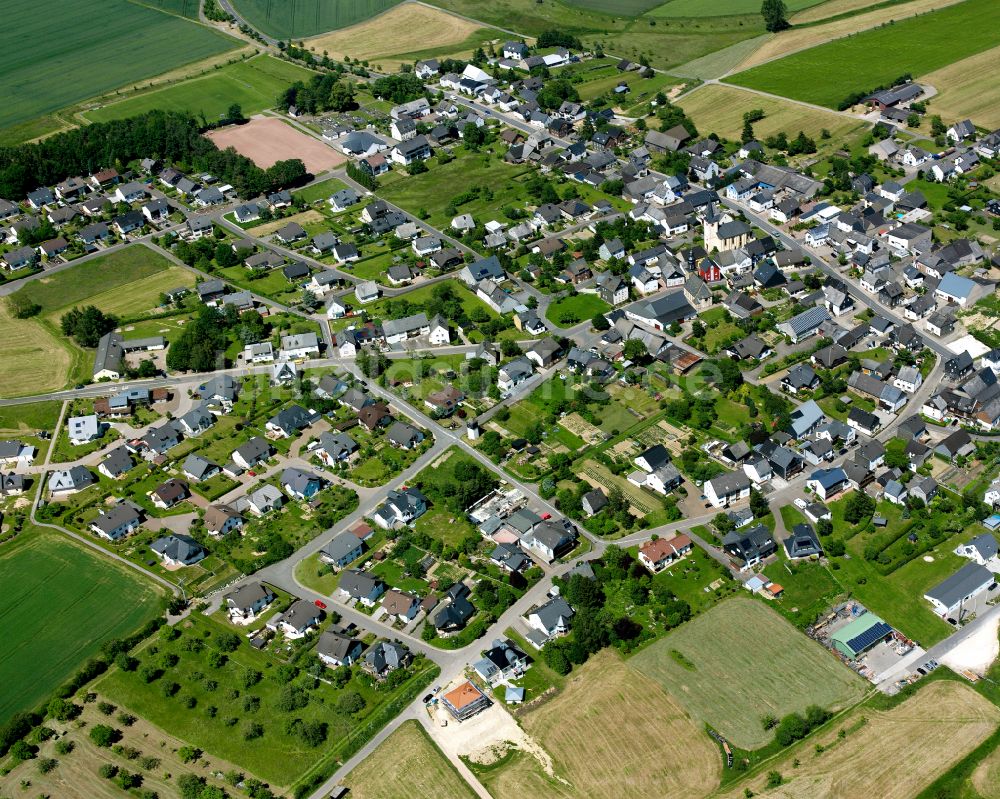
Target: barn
(856,638)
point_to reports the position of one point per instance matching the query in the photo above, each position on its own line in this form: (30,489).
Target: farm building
(860,635)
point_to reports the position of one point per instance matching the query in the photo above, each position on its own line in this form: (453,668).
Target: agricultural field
(816,12)
(720,8)
(893,754)
(966,90)
(719,109)
(302,18)
(773,46)
(277,754)
(130,282)
(826,74)
(721,678)
(254,84)
(185,8)
(96,47)
(605,703)
(402,34)
(407,765)
(625,8)
(84,601)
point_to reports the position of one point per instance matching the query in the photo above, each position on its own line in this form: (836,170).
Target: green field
(721,8)
(59,604)
(253,84)
(742,661)
(185,8)
(569,311)
(825,75)
(88,48)
(297,18)
(624,8)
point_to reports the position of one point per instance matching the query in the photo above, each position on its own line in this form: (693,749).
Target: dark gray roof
(962,583)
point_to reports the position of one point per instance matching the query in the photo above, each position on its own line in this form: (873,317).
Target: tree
(87,325)
(775,14)
(635,350)
(103,735)
(859,506)
(473,136)
(599,322)
(758,503)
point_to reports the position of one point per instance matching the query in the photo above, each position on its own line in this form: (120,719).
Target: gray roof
(553,610)
(962,583)
(177,547)
(118,461)
(254,450)
(196,466)
(985,544)
(341,546)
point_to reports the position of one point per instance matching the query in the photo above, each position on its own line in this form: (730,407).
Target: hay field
(408,28)
(986,778)
(802,38)
(968,89)
(267,140)
(832,8)
(407,765)
(611,732)
(890,755)
(720,8)
(27,343)
(719,109)
(746,661)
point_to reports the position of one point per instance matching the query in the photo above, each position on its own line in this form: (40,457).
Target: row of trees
(166,135)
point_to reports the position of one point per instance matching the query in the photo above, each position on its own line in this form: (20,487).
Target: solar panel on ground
(875,633)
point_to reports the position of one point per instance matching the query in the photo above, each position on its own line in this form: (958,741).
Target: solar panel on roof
(860,643)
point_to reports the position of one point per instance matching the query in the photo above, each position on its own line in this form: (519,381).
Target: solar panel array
(860,643)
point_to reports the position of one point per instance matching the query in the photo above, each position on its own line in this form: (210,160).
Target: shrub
(103,735)
(108,770)
(47,764)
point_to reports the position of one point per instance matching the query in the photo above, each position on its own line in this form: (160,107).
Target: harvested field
(728,679)
(719,109)
(267,140)
(889,754)
(405,29)
(803,38)
(26,344)
(968,89)
(407,765)
(986,777)
(604,704)
(832,8)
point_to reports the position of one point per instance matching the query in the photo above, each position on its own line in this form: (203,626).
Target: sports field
(825,75)
(968,89)
(267,140)
(409,28)
(719,109)
(126,282)
(891,754)
(285,19)
(742,661)
(59,604)
(720,8)
(253,84)
(611,732)
(53,60)
(407,765)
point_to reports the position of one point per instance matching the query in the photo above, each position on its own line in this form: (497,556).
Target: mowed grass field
(126,283)
(407,765)
(297,18)
(825,75)
(254,84)
(53,60)
(620,8)
(890,754)
(611,732)
(968,89)
(59,604)
(408,28)
(719,109)
(720,8)
(746,661)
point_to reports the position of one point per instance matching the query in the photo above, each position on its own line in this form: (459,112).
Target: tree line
(169,136)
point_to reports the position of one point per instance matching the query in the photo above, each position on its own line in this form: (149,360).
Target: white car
(800,503)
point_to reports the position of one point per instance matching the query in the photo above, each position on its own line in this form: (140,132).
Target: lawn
(60,603)
(308,17)
(95,45)
(254,84)
(434,190)
(571,310)
(606,703)
(320,191)
(26,419)
(407,765)
(730,682)
(826,74)
(905,748)
(719,109)
(278,755)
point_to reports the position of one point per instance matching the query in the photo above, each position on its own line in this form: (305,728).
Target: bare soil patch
(267,140)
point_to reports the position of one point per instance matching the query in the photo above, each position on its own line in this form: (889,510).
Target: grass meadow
(254,84)
(720,8)
(87,49)
(826,74)
(731,675)
(60,603)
